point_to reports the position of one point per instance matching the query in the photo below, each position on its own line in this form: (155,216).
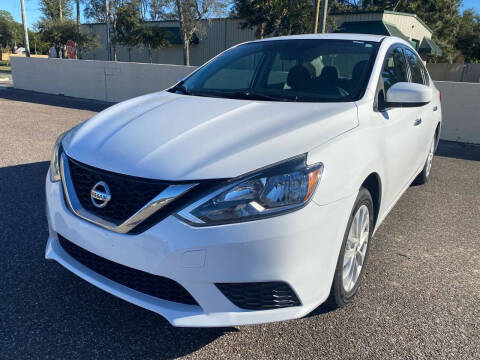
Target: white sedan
(248,192)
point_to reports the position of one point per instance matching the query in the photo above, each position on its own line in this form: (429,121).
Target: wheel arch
(437,134)
(373,184)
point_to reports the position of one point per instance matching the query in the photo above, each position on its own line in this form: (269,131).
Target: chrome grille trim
(165,197)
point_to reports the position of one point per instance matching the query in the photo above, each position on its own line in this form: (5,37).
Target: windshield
(286,70)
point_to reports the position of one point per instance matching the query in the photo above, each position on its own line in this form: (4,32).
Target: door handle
(417,122)
(435,108)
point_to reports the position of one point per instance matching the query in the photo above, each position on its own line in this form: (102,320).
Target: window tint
(290,70)
(236,75)
(416,67)
(394,69)
(280,68)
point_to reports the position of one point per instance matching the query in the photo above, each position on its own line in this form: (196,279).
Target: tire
(343,290)
(422,178)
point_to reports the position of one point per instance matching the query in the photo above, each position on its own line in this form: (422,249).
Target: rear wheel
(422,178)
(354,252)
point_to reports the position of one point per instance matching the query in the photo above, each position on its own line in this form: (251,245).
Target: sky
(33,14)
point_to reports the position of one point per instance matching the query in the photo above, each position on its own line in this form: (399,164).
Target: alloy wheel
(430,158)
(356,248)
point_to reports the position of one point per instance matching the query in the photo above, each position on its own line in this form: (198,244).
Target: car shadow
(53,100)
(458,150)
(49,312)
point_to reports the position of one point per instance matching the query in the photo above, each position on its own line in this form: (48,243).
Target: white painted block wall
(460,111)
(90,79)
(118,81)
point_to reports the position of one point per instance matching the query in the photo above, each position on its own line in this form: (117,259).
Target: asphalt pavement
(420,298)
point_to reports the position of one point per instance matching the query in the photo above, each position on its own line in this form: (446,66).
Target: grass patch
(5,66)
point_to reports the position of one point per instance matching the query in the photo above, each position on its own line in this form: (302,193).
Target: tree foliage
(56,10)
(190,15)
(468,37)
(10,31)
(153,37)
(131,30)
(58,33)
(284,17)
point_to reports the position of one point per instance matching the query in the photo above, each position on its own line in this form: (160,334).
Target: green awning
(394,31)
(373,28)
(428,46)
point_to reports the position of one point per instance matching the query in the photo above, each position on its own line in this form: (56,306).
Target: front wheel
(354,252)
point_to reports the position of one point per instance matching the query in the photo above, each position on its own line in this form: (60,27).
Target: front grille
(129,194)
(141,281)
(259,295)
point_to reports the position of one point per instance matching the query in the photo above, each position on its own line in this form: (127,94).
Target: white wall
(461,111)
(117,81)
(98,80)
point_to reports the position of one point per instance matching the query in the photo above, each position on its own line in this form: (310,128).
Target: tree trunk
(186,50)
(261,31)
(150,55)
(186,53)
(129,54)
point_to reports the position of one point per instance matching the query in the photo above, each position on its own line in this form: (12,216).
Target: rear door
(424,121)
(398,126)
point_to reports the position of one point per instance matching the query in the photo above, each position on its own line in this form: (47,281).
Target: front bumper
(299,248)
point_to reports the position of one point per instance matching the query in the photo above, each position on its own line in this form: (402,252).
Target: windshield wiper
(255,96)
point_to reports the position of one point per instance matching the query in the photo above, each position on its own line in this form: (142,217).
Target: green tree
(37,45)
(129,26)
(468,37)
(277,17)
(191,15)
(153,38)
(6,29)
(258,14)
(56,10)
(10,31)
(442,16)
(58,33)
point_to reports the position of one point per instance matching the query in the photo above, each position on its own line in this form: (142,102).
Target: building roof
(385,12)
(332,36)
(371,27)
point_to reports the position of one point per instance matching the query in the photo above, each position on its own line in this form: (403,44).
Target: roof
(371,27)
(331,36)
(385,12)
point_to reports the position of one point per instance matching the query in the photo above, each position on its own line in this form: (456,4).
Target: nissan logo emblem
(100,194)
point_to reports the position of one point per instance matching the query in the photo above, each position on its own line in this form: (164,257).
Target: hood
(177,137)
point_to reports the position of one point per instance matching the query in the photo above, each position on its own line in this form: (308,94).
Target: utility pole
(78,29)
(25,31)
(323,24)
(317,13)
(109,51)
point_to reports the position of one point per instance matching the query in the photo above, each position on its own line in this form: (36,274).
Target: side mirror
(404,94)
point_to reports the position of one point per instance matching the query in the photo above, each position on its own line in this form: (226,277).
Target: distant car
(248,192)
(20,51)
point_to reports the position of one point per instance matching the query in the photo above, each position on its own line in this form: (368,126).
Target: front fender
(348,160)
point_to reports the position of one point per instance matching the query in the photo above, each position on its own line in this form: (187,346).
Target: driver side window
(394,68)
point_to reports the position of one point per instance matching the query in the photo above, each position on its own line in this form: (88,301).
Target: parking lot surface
(420,298)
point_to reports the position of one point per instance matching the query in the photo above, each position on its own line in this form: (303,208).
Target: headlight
(284,187)
(54,162)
